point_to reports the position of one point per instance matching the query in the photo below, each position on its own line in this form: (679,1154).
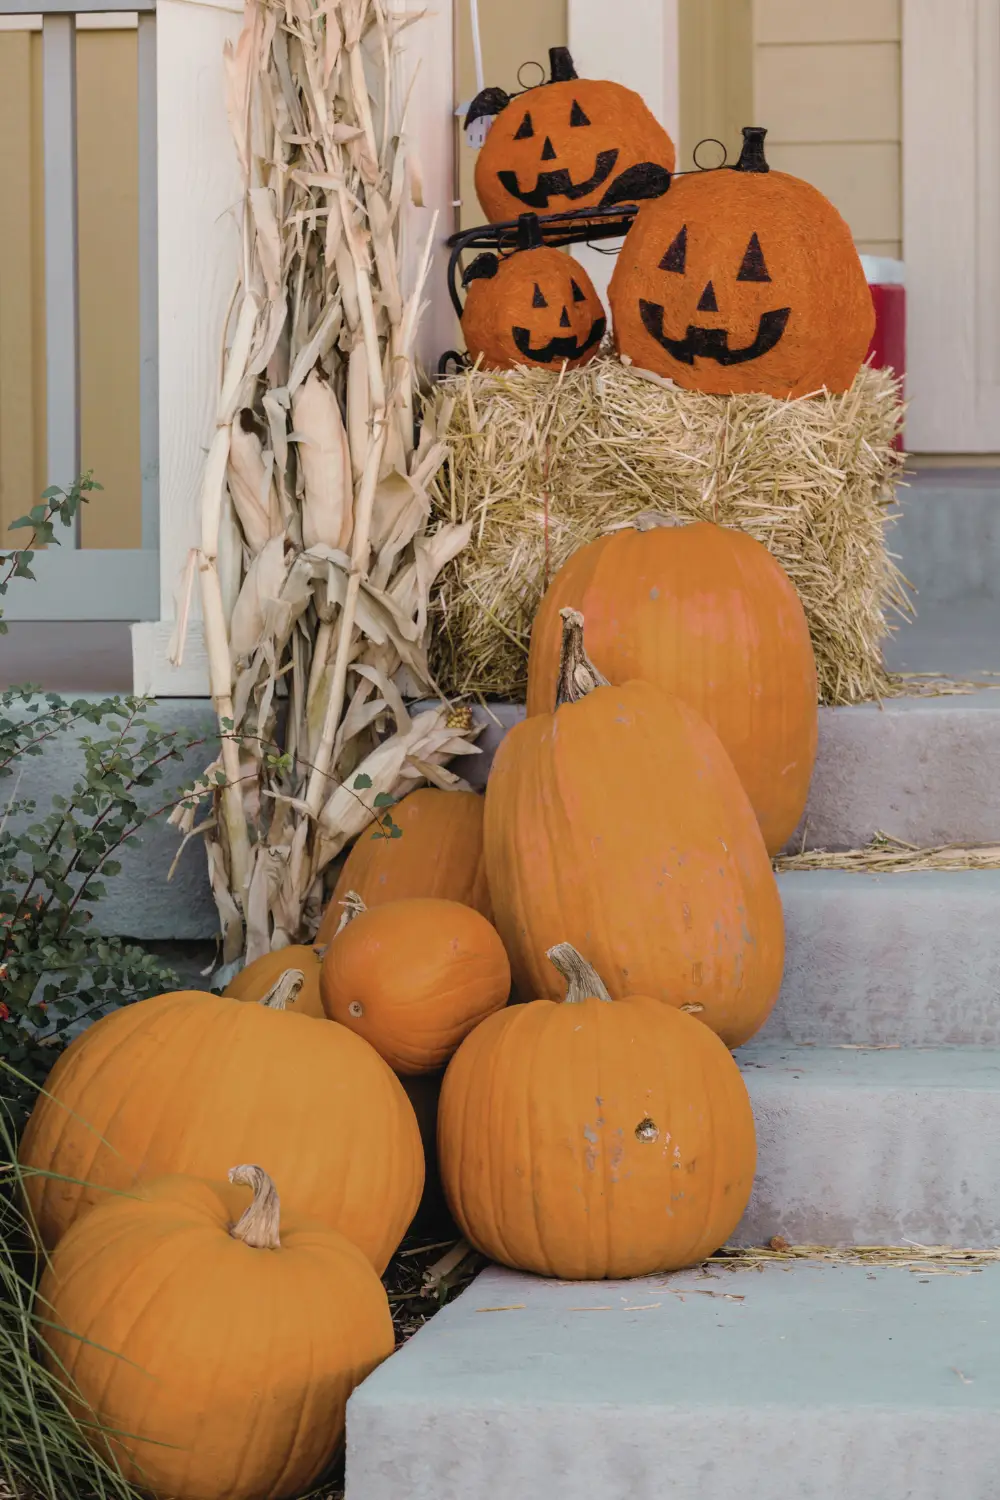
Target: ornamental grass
(540,465)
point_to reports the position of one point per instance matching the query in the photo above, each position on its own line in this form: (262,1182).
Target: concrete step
(801,1382)
(924,769)
(947,537)
(908,958)
(874,1147)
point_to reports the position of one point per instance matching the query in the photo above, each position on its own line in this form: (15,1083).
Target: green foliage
(55,505)
(55,969)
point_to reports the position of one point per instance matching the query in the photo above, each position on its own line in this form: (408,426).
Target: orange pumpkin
(586,1139)
(219,1349)
(710,615)
(175,1084)
(618,823)
(569,143)
(413,978)
(743,279)
(439,853)
(537,307)
(260,979)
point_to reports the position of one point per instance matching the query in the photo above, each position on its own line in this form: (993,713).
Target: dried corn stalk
(315,482)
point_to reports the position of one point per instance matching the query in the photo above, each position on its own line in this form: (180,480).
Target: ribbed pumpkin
(176,1084)
(300,992)
(413,978)
(618,824)
(707,614)
(440,853)
(586,1139)
(222,1353)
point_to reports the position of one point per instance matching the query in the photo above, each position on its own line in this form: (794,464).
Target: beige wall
(716,77)
(107,165)
(826,78)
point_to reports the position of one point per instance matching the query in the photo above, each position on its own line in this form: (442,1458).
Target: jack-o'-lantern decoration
(569,143)
(535,307)
(743,279)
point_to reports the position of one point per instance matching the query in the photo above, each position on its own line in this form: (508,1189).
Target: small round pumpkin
(569,143)
(618,824)
(536,307)
(220,1355)
(708,614)
(172,1085)
(261,979)
(594,1138)
(743,279)
(413,978)
(439,853)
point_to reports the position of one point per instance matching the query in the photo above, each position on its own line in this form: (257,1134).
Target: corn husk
(324,464)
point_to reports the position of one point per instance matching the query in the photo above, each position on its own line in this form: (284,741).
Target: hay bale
(543,465)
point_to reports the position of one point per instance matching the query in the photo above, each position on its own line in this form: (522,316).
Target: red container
(888,345)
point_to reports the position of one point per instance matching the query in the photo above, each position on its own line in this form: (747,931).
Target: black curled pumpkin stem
(561,69)
(752,158)
(529,232)
(582,980)
(577,674)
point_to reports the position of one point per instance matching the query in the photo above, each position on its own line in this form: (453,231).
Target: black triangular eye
(754,267)
(538,300)
(578,295)
(676,257)
(577,116)
(525,130)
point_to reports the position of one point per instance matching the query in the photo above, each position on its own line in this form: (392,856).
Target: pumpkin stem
(284,990)
(258,1227)
(577,674)
(529,232)
(752,158)
(561,69)
(353,907)
(583,981)
(654,520)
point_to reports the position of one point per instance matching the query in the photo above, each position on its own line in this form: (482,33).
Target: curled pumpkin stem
(353,907)
(577,674)
(259,1225)
(284,990)
(582,979)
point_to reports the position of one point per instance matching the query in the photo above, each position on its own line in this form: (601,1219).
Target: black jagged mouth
(559,184)
(713,343)
(559,348)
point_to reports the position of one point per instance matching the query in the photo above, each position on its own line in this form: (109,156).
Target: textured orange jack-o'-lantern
(570,143)
(743,279)
(537,307)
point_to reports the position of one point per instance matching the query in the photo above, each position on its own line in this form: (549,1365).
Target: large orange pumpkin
(175,1084)
(536,307)
(743,279)
(710,615)
(413,978)
(618,824)
(569,143)
(586,1139)
(219,1354)
(439,853)
(258,980)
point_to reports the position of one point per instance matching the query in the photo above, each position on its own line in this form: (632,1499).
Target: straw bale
(541,466)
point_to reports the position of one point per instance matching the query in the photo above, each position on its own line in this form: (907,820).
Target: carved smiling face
(571,143)
(743,280)
(536,307)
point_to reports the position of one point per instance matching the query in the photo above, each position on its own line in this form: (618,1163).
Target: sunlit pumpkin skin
(174,1084)
(707,614)
(618,824)
(535,307)
(439,853)
(413,978)
(258,979)
(225,1364)
(587,1139)
(741,280)
(570,143)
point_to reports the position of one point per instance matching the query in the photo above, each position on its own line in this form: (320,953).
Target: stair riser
(909,959)
(947,540)
(876,1165)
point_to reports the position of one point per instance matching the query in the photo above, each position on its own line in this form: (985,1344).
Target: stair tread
(774,1065)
